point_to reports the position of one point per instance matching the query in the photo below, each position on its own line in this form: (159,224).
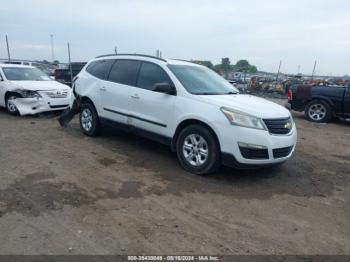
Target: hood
(39,85)
(251,105)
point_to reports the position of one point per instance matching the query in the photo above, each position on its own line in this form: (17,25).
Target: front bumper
(232,155)
(31,106)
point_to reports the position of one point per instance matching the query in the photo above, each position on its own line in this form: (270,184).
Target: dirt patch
(35,194)
(129,189)
(107,161)
(38,193)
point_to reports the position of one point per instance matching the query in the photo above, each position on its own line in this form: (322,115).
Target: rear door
(116,92)
(94,86)
(152,111)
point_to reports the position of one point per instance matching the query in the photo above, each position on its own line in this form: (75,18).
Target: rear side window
(150,75)
(125,72)
(100,68)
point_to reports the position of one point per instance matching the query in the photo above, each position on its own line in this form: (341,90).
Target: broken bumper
(31,106)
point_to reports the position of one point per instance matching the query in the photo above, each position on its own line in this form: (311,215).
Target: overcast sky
(262,31)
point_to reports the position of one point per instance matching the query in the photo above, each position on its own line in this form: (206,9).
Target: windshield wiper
(215,94)
(205,93)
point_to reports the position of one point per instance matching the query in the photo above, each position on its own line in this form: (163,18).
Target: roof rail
(150,56)
(183,60)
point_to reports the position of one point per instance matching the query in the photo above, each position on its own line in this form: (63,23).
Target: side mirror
(164,88)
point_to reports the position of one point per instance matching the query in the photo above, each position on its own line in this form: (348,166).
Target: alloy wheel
(86,119)
(317,112)
(10,105)
(195,150)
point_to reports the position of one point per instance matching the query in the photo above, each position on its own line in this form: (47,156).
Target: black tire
(318,111)
(212,160)
(94,128)
(10,108)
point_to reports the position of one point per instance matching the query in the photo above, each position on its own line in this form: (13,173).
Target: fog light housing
(252,146)
(252,151)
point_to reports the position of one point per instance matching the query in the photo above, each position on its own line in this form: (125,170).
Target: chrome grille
(280,126)
(57,93)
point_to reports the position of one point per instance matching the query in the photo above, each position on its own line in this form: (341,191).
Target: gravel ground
(64,193)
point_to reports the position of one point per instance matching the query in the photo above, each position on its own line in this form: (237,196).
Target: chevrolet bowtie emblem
(288,125)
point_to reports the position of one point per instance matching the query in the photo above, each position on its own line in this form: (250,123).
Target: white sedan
(26,90)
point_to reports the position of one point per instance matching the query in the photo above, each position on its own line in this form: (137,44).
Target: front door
(152,111)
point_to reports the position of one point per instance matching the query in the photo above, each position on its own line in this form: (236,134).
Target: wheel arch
(188,122)
(321,98)
(8,93)
(86,99)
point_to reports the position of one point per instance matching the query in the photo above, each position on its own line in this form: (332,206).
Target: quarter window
(100,68)
(125,72)
(150,75)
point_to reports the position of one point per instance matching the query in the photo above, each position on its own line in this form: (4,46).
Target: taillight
(290,95)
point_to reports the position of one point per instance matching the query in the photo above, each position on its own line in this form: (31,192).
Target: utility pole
(158,53)
(313,71)
(279,69)
(52,52)
(8,49)
(116,50)
(70,65)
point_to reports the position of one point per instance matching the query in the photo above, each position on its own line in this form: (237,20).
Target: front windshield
(25,74)
(202,81)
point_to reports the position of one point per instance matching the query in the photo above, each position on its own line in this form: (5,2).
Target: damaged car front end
(28,91)
(29,102)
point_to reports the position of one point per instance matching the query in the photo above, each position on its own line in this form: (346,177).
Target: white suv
(186,106)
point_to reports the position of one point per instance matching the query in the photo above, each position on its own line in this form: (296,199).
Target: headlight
(242,119)
(27,93)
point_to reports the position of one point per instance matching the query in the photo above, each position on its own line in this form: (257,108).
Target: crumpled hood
(252,105)
(39,85)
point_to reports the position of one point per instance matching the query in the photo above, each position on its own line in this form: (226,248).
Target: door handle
(103,88)
(135,96)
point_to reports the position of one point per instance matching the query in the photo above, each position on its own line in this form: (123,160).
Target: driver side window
(150,75)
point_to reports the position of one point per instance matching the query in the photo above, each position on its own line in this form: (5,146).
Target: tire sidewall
(326,118)
(95,120)
(213,160)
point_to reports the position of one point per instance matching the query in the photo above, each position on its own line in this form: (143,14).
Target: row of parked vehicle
(189,107)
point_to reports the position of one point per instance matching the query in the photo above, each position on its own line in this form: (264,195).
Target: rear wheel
(198,150)
(10,105)
(318,111)
(89,121)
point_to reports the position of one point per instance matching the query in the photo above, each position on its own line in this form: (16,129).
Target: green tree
(244,66)
(253,69)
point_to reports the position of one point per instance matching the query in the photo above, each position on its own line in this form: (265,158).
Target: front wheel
(318,111)
(11,108)
(89,121)
(198,150)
